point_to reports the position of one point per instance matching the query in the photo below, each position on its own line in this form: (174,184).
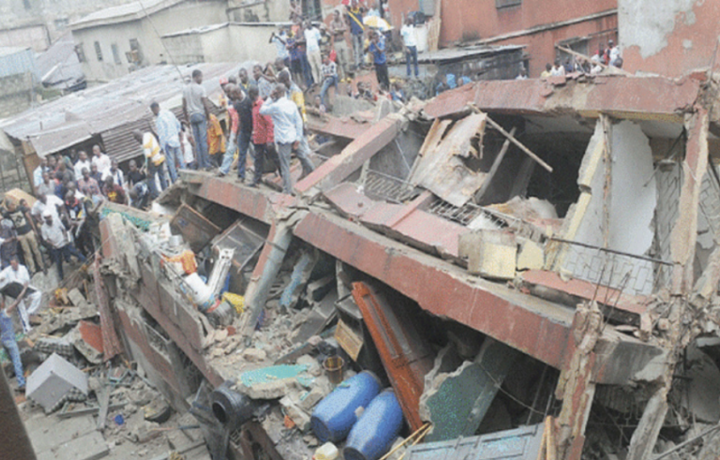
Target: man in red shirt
(262,136)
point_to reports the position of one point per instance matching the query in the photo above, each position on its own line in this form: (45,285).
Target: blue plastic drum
(378,427)
(335,415)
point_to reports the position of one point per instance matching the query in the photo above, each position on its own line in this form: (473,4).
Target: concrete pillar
(14,441)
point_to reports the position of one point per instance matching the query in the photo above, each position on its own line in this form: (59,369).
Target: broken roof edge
(626,95)
(123,13)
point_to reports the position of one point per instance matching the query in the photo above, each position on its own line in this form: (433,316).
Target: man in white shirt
(57,237)
(46,203)
(312,47)
(116,173)
(288,132)
(614,53)
(17,273)
(101,160)
(558,70)
(82,163)
(411,54)
(38,172)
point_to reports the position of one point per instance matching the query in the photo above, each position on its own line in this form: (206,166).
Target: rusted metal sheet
(404,353)
(441,168)
(586,290)
(407,222)
(195,228)
(339,167)
(628,97)
(340,127)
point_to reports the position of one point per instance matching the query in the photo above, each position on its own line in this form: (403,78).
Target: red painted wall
(690,45)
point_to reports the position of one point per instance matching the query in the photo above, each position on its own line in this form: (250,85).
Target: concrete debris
(491,254)
(54,381)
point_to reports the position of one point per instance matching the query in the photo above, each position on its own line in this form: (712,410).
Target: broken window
(98,51)
(135,55)
(80,51)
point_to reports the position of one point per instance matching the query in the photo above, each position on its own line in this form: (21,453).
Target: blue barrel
(378,427)
(334,416)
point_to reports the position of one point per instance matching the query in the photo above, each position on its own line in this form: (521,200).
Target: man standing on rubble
(58,239)
(167,127)
(197,113)
(337,31)
(357,30)
(7,338)
(24,227)
(155,159)
(15,282)
(295,94)
(262,136)
(377,48)
(288,129)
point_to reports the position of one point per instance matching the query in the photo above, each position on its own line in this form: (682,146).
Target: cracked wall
(668,37)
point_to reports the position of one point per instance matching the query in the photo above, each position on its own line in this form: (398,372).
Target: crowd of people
(605,57)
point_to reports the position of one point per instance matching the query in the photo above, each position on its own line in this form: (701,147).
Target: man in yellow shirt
(154,161)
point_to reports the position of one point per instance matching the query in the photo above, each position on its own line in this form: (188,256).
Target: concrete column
(14,441)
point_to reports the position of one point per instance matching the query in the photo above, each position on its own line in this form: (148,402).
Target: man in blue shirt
(377,48)
(7,337)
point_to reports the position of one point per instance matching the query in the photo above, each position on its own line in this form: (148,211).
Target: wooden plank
(525,150)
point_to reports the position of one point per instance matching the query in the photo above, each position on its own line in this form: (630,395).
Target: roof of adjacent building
(123,13)
(110,111)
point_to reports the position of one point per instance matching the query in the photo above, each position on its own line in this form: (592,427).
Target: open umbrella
(376,22)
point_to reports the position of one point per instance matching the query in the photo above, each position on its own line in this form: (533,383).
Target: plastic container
(335,415)
(199,291)
(333,366)
(327,451)
(378,427)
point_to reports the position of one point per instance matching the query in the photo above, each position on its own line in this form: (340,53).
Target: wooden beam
(519,145)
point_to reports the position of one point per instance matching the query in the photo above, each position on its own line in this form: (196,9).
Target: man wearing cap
(58,239)
(15,282)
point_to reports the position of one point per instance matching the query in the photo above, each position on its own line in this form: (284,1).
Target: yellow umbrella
(376,22)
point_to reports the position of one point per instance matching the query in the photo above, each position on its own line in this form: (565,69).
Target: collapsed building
(531,266)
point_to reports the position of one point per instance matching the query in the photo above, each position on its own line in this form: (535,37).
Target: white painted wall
(180,17)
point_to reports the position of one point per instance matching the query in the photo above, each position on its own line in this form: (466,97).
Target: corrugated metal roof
(451,54)
(111,110)
(16,60)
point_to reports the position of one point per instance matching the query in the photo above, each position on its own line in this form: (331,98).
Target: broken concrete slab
(46,433)
(456,403)
(490,253)
(320,316)
(86,337)
(91,446)
(53,380)
(531,255)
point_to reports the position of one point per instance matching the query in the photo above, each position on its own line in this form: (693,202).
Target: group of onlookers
(605,57)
